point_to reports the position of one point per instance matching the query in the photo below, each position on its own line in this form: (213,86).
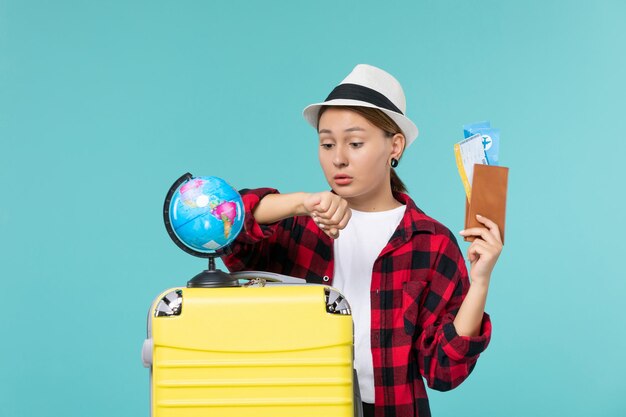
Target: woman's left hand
(484,250)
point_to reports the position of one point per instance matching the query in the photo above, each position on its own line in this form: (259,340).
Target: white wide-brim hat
(368,86)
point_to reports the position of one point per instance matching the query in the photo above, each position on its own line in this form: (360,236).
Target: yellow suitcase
(280,349)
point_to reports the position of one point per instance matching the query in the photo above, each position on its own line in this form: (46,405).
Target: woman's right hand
(329,211)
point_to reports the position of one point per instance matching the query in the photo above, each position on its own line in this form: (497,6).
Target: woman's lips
(342,179)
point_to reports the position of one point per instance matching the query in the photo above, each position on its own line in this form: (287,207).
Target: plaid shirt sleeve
(294,246)
(251,248)
(445,358)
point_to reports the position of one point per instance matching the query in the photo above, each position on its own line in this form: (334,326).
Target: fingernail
(321,226)
(478,215)
(461,232)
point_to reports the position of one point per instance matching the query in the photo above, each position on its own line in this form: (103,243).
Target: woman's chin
(346,192)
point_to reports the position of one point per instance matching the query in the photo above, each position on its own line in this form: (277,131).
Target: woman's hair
(388,126)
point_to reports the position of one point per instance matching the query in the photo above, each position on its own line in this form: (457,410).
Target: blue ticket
(490,136)
(468,130)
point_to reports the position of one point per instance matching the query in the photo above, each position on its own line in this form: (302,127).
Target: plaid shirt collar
(413,222)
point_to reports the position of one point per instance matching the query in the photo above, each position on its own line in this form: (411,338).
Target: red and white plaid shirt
(419,281)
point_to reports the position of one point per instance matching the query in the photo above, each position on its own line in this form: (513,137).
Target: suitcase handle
(268,276)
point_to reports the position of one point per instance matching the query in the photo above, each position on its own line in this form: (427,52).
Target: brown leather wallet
(488,197)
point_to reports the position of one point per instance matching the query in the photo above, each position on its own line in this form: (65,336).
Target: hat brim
(409,129)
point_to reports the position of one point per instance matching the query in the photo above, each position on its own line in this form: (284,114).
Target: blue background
(104,104)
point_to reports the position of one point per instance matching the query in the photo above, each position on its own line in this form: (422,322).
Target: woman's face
(354,154)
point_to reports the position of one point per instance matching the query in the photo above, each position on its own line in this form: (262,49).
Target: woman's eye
(326,145)
(356,144)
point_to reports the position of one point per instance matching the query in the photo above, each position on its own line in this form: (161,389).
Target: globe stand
(210,277)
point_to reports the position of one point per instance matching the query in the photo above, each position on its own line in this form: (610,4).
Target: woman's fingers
(478,247)
(328,205)
(332,210)
(331,213)
(331,232)
(334,215)
(334,230)
(340,211)
(484,250)
(324,203)
(479,232)
(490,233)
(482,256)
(491,225)
(491,236)
(346,218)
(333,227)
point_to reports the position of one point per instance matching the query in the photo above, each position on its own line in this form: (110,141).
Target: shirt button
(326,279)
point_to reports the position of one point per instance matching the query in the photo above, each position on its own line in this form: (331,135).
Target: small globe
(206,213)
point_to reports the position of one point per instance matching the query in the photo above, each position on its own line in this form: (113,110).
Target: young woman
(416,314)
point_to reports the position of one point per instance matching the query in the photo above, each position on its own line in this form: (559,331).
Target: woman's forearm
(275,207)
(470,316)
(482,254)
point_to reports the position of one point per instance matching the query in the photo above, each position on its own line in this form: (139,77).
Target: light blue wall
(104,104)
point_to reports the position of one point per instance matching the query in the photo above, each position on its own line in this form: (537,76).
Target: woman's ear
(398,142)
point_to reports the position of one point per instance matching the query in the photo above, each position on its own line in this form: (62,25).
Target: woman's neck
(381,201)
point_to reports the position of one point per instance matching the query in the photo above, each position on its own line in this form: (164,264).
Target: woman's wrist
(480,284)
(469,317)
(300,208)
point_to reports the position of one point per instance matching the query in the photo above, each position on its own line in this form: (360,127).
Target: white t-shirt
(355,251)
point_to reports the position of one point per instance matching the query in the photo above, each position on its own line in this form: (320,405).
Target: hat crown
(368,86)
(379,80)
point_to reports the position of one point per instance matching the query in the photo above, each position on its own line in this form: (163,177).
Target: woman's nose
(339,158)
